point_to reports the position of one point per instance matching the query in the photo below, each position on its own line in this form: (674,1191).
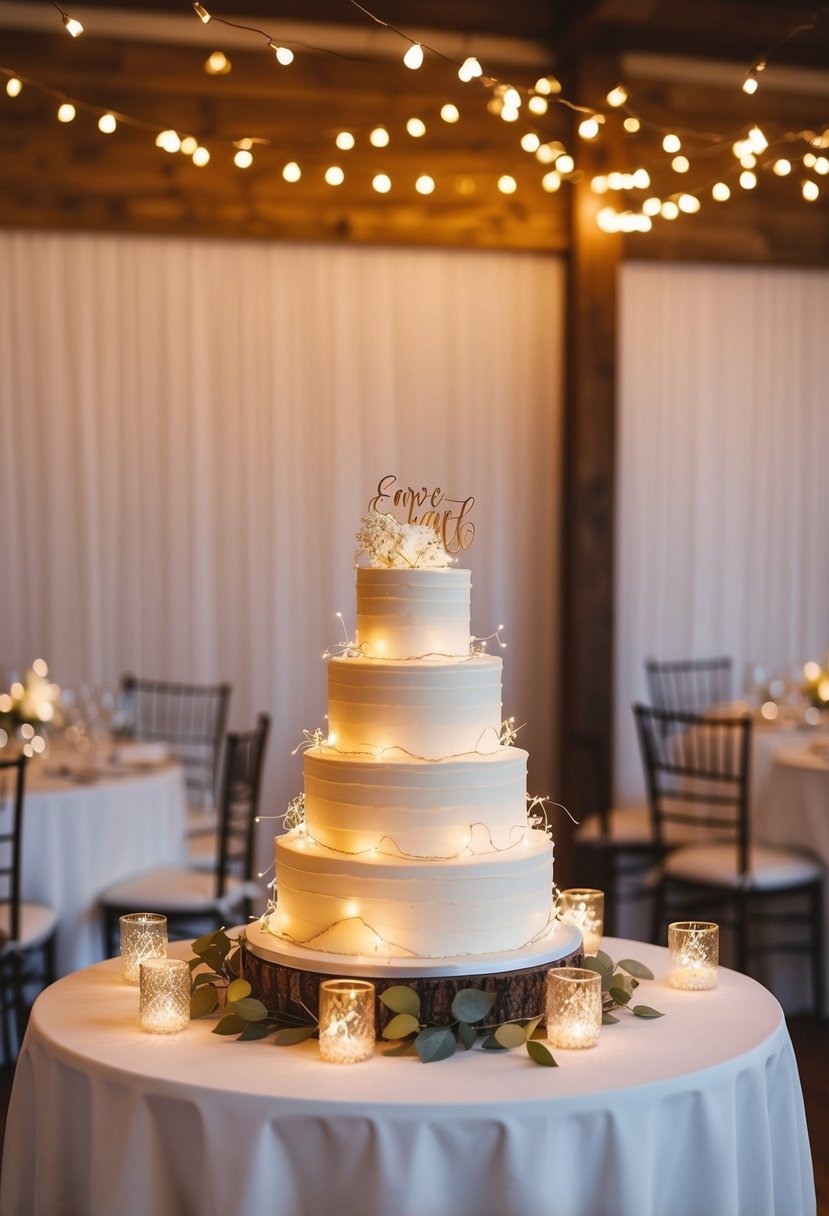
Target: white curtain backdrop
(191,430)
(722,542)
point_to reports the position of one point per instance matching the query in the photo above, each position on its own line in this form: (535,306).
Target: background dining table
(697,1111)
(90,823)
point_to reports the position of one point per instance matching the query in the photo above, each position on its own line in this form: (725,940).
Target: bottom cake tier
(286,977)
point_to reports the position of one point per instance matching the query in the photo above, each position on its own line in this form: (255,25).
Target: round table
(699,1112)
(87,826)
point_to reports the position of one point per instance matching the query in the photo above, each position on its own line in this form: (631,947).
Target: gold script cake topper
(447,516)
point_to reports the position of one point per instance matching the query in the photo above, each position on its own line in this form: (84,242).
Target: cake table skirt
(698,1112)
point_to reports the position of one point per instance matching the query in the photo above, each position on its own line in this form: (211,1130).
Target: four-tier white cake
(416,841)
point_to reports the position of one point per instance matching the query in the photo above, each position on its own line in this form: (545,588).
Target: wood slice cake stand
(286,977)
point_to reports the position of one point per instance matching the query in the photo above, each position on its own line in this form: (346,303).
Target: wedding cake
(412,839)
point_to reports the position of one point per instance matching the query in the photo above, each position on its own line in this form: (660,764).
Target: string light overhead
(73,26)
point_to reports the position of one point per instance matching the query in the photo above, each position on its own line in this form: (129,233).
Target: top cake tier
(407,614)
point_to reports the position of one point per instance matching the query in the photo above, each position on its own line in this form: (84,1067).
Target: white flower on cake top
(389,544)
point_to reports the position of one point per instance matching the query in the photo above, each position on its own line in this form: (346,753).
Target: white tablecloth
(697,1114)
(80,838)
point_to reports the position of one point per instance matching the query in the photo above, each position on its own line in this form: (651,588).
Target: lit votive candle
(693,949)
(574,1007)
(346,1021)
(164,995)
(143,935)
(584,907)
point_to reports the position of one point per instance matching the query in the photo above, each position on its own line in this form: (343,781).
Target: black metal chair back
(192,718)
(697,775)
(11,835)
(241,787)
(689,685)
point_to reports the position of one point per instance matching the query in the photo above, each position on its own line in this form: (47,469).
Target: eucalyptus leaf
(638,969)
(592,964)
(233,962)
(213,958)
(204,942)
(203,978)
(254,1030)
(248,1008)
(604,960)
(472,1004)
(193,963)
(238,990)
(645,1011)
(230,1024)
(531,1026)
(435,1043)
(490,1043)
(401,1026)
(509,1035)
(293,1034)
(620,995)
(608,1019)
(607,981)
(203,1001)
(406,1048)
(401,999)
(540,1054)
(466,1035)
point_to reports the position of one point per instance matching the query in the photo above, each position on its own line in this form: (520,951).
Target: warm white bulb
(669,210)
(545,155)
(748,180)
(414,56)
(469,69)
(510,113)
(530,142)
(748,160)
(671,143)
(449,113)
(344,141)
(381,182)
(107,123)
(608,220)
(631,124)
(243,158)
(616,180)
(652,206)
(284,55)
(750,85)
(379,137)
(810,190)
(688,203)
(334,175)
(217,64)
(548,85)
(40,668)
(291,172)
(757,140)
(200,156)
(565,164)
(425,184)
(720,192)
(189,145)
(66,112)
(551,181)
(507,184)
(617,97)
(599,185)
(416,127)
(680,164)
(822,165)
(202,13)
(73,27)
(537,105)
(589,128)
(168,140)
(13,86)
(641,179)
(809,160)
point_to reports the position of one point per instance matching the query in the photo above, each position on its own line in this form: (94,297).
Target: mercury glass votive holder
(574,1007)
(584,908)
(164,995)
(143,935)
(346,1021)
(693,952)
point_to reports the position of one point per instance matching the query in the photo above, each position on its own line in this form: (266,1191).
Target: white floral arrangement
(388,543)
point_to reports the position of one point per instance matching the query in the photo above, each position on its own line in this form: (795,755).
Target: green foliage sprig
(619,982)
(215,969)
(470,1006)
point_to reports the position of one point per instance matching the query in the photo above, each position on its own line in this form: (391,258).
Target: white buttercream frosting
(405,614)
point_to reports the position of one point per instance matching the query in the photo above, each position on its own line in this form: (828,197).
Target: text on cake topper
(446,515)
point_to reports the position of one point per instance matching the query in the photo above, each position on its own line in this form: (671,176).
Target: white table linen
(697,1112)
(79,838)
